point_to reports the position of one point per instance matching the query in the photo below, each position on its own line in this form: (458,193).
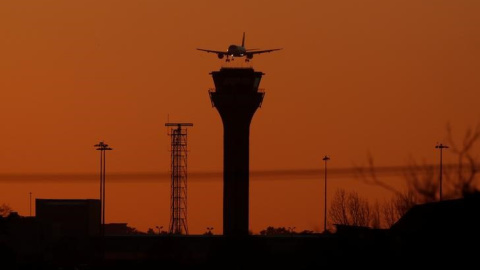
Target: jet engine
(220,56)
(249,55)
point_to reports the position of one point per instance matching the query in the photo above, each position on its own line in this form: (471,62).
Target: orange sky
(354,77)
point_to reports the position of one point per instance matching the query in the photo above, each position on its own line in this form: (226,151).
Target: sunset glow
(353,78)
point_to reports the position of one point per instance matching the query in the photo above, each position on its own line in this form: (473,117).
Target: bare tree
(376,219)
(422,179)
(390,213)
(5,210)
(350,209)
(397,206)
(359,210)
(463,176)
(460,177)
(338,208)
(368,174)
(405,201)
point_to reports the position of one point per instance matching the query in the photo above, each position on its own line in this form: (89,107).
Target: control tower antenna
(178,167)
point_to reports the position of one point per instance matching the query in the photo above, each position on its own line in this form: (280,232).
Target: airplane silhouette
(238,51)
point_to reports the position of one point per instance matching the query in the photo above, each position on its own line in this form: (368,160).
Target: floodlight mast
(178,167)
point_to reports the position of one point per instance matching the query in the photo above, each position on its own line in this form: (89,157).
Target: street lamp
(441,147)
(102,147)
(159,229)
(325,158)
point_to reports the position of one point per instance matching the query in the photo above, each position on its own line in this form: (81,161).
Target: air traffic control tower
(236,97)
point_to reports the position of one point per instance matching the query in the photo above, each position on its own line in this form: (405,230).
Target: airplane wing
(212,51)
(262,51)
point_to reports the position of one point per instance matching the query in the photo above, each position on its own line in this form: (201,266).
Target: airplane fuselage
(236,51)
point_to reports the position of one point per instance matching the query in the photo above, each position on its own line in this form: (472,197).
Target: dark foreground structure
(73,218)
(236,97)
(435,234)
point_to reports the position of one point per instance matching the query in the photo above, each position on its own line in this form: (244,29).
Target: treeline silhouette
(422,186)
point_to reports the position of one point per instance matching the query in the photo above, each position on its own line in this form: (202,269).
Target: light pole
(102,147)
(30,201)
(325,158)
(159,229)
(441,147)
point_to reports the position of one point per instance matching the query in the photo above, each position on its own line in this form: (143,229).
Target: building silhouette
(68,217)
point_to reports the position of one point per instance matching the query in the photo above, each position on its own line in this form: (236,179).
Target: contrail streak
(259,175)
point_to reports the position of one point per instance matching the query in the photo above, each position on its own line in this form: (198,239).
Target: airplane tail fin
(243,40)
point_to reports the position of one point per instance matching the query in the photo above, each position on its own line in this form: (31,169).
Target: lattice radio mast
(178,196)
